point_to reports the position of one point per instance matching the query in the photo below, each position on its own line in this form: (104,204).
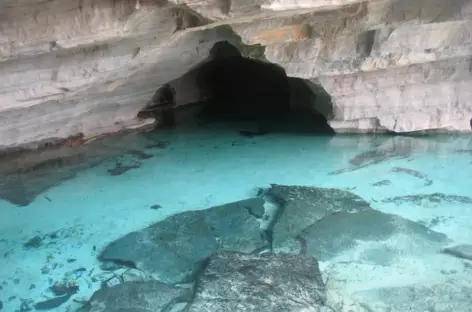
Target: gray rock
(341,231)
(373,157)
(265,283)
(303,206)
(433,198)
(150,296)
(235,226)
(463,251)
(174,249)
(445,297)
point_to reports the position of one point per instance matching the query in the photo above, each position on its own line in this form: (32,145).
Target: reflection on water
(214,221)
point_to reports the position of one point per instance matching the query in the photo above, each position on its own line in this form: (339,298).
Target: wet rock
(382,183)
(444,297)
(373,157)
(302,206)
(120,169)
(255,206)
(463,251)
(388,235)
(428,199)
(23,183)
(251,134)
(62,288)
(34,242)
(413,173)
(174,249)
(139,154)
(234,226)
(264,283)
(150,296)
(53,303)
(25,306)
(159,144)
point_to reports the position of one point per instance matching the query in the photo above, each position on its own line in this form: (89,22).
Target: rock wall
(70,67)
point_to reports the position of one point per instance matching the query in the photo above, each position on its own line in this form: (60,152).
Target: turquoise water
(57,236)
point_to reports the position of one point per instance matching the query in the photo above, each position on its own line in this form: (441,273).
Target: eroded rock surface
(231,281)
(89,68)
(266,283)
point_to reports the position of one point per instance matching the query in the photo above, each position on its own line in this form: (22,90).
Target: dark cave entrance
(249,93)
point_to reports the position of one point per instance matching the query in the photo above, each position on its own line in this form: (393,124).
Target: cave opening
(253,94)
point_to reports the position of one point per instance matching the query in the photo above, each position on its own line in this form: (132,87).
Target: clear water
(206,168)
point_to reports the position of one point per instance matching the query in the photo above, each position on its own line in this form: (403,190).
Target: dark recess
(249,92)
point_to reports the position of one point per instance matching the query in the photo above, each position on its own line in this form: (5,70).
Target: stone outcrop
(84,67)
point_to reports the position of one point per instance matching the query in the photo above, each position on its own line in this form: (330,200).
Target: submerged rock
(173,250)
(385,233)
(303,206)
(231,281)
(265,283)
(413,173)
(373,157)
(444,297)
(434,198)
(327,222)
(150,296)
(463,251)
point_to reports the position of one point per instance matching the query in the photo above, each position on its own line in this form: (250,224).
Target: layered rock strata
(84,67)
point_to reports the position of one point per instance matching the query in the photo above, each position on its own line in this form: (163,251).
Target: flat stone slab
(389,235)
(326,222)
(149,296)
(174,250)
(232,281)
(302,206)
(262,283)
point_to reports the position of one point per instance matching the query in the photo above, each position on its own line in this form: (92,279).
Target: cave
(249,93)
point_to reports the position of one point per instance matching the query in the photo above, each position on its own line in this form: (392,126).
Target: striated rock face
(88,67)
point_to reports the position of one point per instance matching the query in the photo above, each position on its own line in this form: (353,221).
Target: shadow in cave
(254,95)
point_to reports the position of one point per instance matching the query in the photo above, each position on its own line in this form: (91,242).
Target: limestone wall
(83,66)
